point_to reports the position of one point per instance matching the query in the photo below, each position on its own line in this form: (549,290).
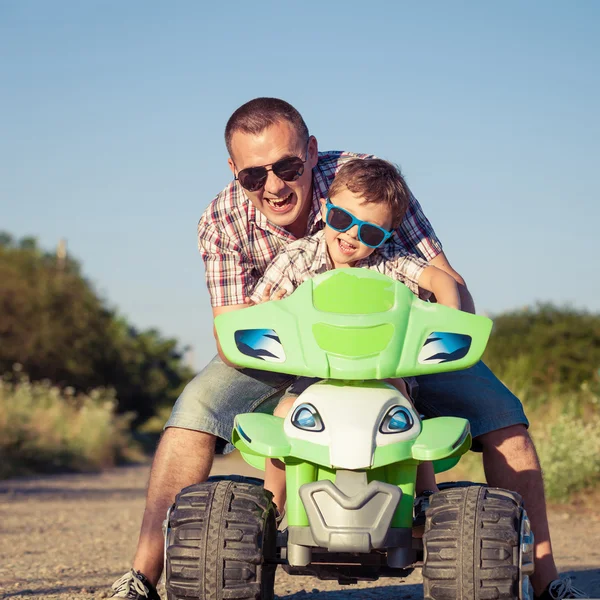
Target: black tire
(472,546)
(459,484)
(221,542)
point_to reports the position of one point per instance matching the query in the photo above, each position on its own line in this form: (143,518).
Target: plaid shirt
(237,242)
(308,257)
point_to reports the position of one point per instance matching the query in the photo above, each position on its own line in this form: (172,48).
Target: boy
(367,200)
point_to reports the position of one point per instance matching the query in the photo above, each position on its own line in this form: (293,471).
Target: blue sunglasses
(368,233)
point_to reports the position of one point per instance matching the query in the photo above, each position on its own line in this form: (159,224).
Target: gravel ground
(70,536)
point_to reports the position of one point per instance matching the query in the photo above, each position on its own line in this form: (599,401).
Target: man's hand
(219,310)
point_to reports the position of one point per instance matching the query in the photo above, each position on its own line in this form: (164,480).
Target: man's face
(282,202)
(344,247)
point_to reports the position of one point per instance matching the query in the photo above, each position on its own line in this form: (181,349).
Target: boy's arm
(418,275)
(416,235)
(466,300)
(442,285)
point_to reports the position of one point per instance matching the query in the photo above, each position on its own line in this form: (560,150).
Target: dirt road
(70,536)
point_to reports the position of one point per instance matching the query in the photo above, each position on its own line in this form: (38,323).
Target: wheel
(220,541)
(477,545)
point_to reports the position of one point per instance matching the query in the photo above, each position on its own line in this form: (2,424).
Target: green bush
(546,348)
(569,450)
(566,431)
(44,428)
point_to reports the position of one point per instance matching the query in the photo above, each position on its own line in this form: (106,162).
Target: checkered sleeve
(406,268)
(415,234)
(279,274)
(228,270)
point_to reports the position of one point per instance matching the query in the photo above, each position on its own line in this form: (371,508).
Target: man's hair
(258,114)
(376,181)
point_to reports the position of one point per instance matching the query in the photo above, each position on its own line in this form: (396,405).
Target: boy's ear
(323,207)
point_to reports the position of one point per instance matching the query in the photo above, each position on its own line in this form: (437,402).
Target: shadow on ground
(406,592)
(14,492)
(587,580)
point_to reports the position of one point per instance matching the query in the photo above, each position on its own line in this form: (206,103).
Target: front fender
(442,437)
(261,435)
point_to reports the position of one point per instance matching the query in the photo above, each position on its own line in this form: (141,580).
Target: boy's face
(282,202)
(344,247)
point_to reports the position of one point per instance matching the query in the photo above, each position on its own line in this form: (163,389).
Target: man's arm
(219,310)
(466,300)
(279,278)
(228,270)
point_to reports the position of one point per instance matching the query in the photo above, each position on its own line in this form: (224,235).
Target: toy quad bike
(351,445)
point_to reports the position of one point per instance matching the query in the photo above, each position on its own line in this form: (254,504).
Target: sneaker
(134,585)
(559,589)
(421,505)
(279,519)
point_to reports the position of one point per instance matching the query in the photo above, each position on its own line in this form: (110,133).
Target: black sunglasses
(287,169)
(368,233)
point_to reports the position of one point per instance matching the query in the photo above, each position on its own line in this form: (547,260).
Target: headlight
(397,420)
(307,417)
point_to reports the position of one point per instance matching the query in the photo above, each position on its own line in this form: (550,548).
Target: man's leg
(498,425)
(511,462)
(183,457)
(204,412)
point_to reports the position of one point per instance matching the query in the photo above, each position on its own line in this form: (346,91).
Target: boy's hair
(258,114)
(375,180)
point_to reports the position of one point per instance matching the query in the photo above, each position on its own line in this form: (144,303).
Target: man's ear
(313,151)
(231,165)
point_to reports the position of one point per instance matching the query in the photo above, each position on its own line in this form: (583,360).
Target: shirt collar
(321,261)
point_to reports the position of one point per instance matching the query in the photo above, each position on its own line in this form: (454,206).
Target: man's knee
(178,437)
(508,440)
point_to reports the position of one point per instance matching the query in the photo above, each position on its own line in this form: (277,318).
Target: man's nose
(274,185)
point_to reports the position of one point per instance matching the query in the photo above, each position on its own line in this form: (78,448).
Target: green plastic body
(351,324)
(442,440)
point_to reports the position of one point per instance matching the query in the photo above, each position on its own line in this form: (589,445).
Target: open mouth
(280,204)
(346,247)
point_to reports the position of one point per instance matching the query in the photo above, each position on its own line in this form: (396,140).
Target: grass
(45,429)
(566,431)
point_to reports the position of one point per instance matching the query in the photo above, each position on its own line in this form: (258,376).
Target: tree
(54,324)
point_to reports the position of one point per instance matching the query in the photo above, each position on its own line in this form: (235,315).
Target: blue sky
(112,117)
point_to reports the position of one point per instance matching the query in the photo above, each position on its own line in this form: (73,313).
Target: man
(274,199)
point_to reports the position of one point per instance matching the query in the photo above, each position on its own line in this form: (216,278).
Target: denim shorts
(218,393)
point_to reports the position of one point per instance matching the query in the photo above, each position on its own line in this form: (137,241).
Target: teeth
(346,245)
(277,203)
